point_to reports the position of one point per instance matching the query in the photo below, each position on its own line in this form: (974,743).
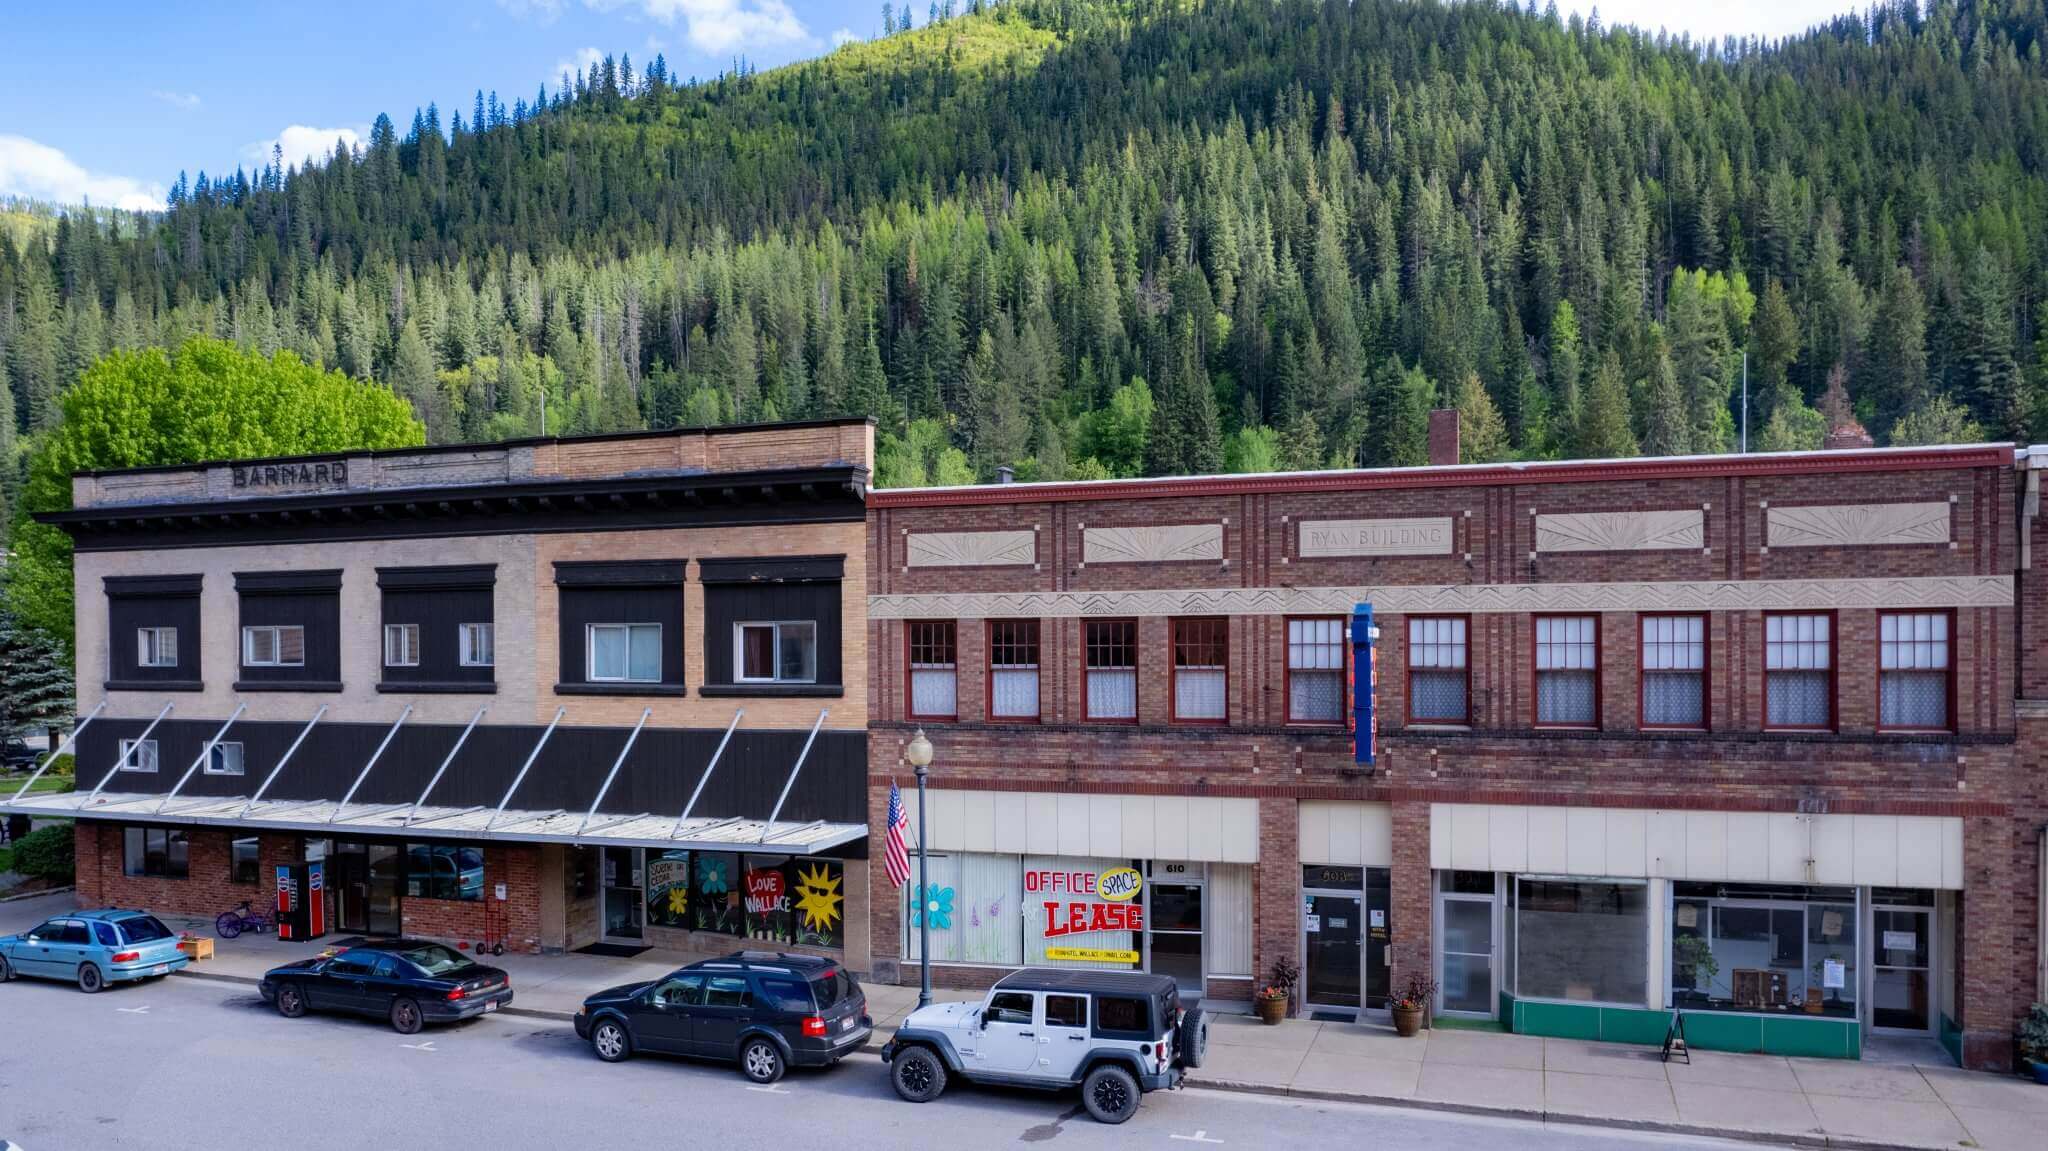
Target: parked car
(16,755)
(409,982)
(1114,1034)
(766,1011)
(93,949)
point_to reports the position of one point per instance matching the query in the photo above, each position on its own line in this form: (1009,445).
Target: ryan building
(551,693)
(1731,735)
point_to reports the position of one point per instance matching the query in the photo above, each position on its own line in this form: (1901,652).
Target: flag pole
(919,753)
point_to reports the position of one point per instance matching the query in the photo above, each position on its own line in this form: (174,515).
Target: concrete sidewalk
(1770,1099)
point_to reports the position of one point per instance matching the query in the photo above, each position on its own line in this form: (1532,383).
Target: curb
(1541,1115)
(34,894)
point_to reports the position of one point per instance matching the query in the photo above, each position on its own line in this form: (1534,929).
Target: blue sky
(111,100)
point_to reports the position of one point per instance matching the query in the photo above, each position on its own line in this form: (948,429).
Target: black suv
(767,1011)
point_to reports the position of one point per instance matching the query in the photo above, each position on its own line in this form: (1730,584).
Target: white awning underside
(326,817)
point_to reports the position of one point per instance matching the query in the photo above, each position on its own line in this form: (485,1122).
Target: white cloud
(185,100)
(302,144)
(39,172)
(576,65)
(843,36)
(720,26)
(542,11)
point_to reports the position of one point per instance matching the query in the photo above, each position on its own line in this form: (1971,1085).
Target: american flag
(896,854)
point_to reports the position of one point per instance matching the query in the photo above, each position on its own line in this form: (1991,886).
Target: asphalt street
(186,1063)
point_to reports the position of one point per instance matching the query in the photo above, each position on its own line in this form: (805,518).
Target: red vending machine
(301,900)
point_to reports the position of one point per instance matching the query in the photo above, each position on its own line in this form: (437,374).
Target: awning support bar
(203,753)
(799,829)
(614,772)
(288,753)
(374,757)
(123,760)
(537,817)
(62,748)
(615,822)
(800,757)
(445,761)
(706,777)
(450,815)
(524,768)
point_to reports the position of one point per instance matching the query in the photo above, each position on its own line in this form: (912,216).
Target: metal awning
(322,818)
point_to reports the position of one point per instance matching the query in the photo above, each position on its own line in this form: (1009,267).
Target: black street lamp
(919,753)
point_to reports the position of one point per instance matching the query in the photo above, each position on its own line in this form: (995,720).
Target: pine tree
(1397,417)
(1482,433)
(1895,359)
(1564,372)
(1604,425)
(35,677)
(1989,373)
(1662,412)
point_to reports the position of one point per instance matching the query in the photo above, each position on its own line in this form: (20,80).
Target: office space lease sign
(1085,914)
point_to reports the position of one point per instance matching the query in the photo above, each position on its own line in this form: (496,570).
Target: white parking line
(427,1047)
(142,1010)
(776,1089)
(1197,1137)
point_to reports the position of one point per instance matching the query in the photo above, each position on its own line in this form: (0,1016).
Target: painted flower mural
(939,906)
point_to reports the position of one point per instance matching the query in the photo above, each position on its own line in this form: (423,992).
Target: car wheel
(610,1041)
(1110,1094)
(760,1061)
(917,1074)
(291,1002)
(405,1017)
(90,980)
(6,972)
(1194,1038)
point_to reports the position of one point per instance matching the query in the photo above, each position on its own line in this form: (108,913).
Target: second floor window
(138,755)
(934,669)
(156,647)
(625,652)
(1111,667)
(224,759)
(401,645)
(1799,671)
(784,652)
(1568,671)
(274,646)
(1439,672)
(1315,670)
(1674,671)
(1013,669)
(1913,670)
(1201,669)
(476,645)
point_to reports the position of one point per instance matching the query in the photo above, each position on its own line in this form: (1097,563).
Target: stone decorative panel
(1674,595)
(1429,536)
(1646,531)
(1167,543)
(1858,525)
(970,549)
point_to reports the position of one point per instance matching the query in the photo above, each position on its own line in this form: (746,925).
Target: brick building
(1754,737)
(555,693)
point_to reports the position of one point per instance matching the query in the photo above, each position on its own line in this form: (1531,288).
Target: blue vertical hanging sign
(1364,685)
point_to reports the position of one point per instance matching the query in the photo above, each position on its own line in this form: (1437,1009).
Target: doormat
(1332,1017)
(612,950)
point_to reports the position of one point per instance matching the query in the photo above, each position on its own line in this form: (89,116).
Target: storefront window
(1763,949)
(1581,940)
(718,905)
(444,871)
(668,889)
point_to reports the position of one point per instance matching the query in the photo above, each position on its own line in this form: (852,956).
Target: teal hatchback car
(93,949)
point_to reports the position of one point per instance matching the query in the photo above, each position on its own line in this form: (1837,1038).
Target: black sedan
(409,982)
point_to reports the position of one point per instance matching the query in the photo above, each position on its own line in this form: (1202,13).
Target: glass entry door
(1465,919)
(1901,982)
(1176,934)
(625,901)
(1333,936)
(381,904)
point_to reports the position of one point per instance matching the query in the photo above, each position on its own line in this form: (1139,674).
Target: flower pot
(1407,1021)
(1271,1011)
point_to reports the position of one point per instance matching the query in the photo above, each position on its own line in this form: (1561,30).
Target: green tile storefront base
(1460,1023)
(1952,1039)
(1706,1030)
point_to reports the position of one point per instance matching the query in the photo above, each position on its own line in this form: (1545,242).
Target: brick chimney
(1443,437)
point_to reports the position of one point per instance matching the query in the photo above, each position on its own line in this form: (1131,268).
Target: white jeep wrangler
(1115,1034)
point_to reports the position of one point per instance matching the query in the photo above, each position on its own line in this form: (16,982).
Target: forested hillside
(1153,236)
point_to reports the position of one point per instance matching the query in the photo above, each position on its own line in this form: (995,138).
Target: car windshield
(832,986)
(435,959)
(143,929)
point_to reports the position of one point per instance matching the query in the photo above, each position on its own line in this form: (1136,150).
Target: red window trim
(1408,672)
(988,662)
(1287,669)
(1599,671)
(1137,667)
(1877,664)
(909,671)
(1173,670)
(1834,671)
(1706,619)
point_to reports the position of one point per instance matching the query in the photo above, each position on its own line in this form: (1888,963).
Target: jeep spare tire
(1194,1037)
(917,1074)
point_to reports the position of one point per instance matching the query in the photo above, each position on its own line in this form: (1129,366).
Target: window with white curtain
(625,652)
(934,669)
(1674,671)
(476,645)
(1913,670)
(1315,670)
(1201,669)
(401,645)
(1228,934)
(1568,671)
(1439,674)
(1799,671)
(274,646)
(156,647)
(1013,669)
(1112,666)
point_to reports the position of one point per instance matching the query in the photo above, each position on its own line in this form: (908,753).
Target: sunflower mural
(818,901)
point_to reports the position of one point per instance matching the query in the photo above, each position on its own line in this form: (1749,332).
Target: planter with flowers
(1412,1005)
(2031,1037)
(1276,999)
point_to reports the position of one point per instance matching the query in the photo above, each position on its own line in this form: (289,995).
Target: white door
(1063,1039)
(1902,969)
(1009,1033)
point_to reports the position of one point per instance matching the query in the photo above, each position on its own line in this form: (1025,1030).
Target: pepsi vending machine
(301,900)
